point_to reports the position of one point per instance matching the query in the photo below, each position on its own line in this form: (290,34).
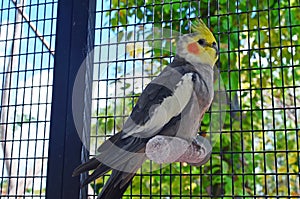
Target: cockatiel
(172,104)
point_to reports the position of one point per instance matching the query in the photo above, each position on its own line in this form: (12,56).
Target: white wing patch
(162,113)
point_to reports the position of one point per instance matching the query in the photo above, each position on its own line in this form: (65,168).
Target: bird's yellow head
(199,46)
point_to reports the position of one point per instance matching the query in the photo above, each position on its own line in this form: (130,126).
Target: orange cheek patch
(193,48)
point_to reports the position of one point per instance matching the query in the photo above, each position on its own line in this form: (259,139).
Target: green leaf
(140,14)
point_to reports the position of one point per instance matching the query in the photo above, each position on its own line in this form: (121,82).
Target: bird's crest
(200,27)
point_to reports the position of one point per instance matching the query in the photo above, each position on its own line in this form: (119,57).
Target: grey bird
(172,104)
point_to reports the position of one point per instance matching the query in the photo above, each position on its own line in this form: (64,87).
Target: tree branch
(32,26)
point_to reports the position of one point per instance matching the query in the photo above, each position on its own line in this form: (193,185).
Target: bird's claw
(165,149)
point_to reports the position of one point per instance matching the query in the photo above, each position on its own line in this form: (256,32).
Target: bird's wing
(163,99)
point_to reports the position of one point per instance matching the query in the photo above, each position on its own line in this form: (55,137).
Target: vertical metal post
(73,42)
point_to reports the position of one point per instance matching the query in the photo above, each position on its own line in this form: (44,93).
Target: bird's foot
(165,149)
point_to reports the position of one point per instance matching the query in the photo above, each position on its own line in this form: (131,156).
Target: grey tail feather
(113,189)
(101,170)
(120,180)
(107,144)
(121,159)
(89,165)
(94,162)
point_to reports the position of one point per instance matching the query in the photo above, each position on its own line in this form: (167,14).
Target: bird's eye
(201,42)
(214,43)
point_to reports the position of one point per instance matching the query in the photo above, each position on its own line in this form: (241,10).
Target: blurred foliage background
(256,150)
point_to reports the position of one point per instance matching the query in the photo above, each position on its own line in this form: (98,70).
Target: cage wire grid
(256,154)
(27,41)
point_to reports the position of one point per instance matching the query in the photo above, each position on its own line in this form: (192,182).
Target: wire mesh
(27,43)
(256,146)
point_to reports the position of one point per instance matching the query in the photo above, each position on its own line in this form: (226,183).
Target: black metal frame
(73,43)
